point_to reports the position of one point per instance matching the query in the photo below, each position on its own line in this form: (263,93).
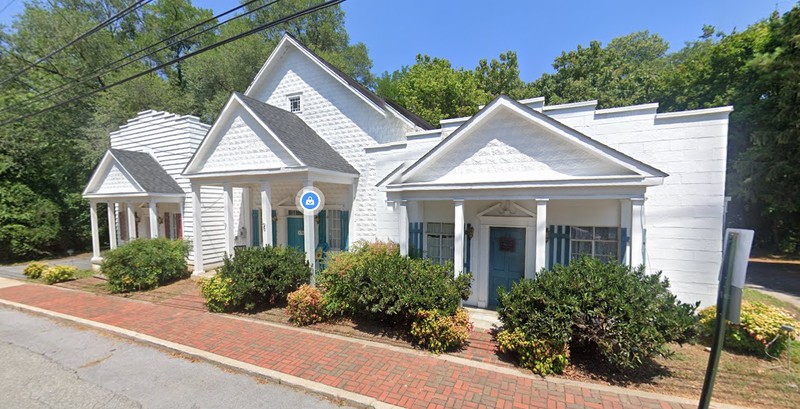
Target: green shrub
(34,270)
(59,274)
(144,264)
(217,292)
(305,306)
(608,311)
(760,325)
(374,279)
(262,276)
(439,332)
(539,355)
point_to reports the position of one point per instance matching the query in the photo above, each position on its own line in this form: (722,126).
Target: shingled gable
(293,135)
(142,168)
(365,93)
(581,141)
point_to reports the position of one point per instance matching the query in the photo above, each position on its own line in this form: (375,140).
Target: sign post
(310,201)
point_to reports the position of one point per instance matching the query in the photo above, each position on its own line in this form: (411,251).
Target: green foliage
(501,77)
(263,276)
(29,223)
(620,315)
(305,306)
(59,274)
(375,280)
(35,269)
(542,356)
(217,292)
(760,325)
(439,332)
(144,264)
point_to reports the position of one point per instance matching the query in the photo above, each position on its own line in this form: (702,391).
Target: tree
(433,89)
(501,77)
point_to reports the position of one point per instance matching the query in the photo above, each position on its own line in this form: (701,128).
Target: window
(294,104)
(441,240)
(334,224)
(601,243)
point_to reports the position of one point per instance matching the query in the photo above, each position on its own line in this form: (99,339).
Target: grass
(755,295)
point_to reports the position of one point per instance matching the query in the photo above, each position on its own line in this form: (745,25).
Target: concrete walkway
(360,372)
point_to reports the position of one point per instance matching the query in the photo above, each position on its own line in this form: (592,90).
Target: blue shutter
(415,239)
(323,229)
(274,228)
(345,220)
(256,228)
(558,246)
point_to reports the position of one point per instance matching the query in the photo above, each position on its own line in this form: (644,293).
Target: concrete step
(482,318)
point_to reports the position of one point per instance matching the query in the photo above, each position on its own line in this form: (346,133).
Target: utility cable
(95,29)
(247,33)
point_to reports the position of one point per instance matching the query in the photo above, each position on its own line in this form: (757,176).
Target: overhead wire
(98,27)
(247,33)
(110,67)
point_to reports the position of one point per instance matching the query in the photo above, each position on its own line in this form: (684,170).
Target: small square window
(294,104)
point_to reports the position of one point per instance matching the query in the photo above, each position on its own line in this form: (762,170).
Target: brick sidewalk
(403,378)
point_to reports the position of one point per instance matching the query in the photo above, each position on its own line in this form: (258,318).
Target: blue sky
(395,31)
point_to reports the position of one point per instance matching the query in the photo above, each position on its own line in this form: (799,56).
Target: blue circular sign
(310,201)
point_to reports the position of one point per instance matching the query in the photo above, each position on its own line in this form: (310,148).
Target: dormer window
(294,104)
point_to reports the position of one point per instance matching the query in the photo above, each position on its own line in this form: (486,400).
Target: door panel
(506,259)
(295,233)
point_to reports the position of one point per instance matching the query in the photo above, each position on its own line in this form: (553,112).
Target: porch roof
(124,173)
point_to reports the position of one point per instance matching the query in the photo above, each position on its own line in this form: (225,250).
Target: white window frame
(593,240)
(442,236)
(333,224)
(292,99)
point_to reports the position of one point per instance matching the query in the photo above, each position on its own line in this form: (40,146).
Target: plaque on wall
(508,244)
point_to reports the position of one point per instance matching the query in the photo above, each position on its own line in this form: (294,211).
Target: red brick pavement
(405,379)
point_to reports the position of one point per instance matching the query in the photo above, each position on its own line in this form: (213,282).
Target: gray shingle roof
(146,171)
(298,137)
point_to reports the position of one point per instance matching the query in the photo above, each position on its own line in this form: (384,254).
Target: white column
(403,221)
(458,243)
(197,229)
(309,228)
(153,219)
(112,226)
(131,222)
(541,235)
(181,207)
(228,210)
(637,232)
(625,223)
(95,232)
(266,215)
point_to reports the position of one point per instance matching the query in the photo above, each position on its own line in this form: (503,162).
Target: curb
(219,360)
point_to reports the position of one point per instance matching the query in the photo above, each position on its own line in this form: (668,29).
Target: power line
(123,13)
(12,2)
(67,86)
(247,33)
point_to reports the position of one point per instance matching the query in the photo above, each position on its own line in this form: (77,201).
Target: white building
(513,189)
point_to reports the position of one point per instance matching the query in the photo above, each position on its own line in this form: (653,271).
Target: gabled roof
(298,137)
(579,139)
(294,137)
(351,83)
(142,168)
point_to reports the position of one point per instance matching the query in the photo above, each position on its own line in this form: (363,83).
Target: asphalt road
(49,364)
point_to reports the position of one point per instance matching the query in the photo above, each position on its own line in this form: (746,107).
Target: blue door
(295,238)
(506,259)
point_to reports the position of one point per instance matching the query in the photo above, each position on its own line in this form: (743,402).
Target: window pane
(433,247)
(448,228)
(581,233)
(605,249)
(605,233)
(581,248)
(434,228)
(447,249)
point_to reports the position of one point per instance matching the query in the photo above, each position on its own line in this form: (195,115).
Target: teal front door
(295,233)
(506,259)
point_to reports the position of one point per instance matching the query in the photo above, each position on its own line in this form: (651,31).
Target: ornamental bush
(59,274)
(34,270)
(541,356)
(144,264)
(759,331)
(439,332)
(607,311)
(217,292)
(305,306)
(373,279)
(262,276)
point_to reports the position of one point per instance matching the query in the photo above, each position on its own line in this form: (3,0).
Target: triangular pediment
(507,142)
(111,177)
(239,141)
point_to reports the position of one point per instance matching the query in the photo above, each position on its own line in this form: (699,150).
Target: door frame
(481,258)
